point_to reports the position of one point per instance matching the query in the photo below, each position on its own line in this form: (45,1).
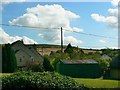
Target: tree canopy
(69,49)
(115,62)
(9,63)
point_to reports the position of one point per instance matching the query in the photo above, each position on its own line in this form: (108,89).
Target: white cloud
(5,2)
(115,47)
(98,17)
(48,16)
(77,29)
(115,2)
(112,19)
(51,37)
(67,39)
(113,12)
(10,1)
(51,16)
(102,41)
(72,40)
(6,38)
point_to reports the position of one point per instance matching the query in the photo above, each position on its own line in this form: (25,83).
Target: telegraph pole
(61,39)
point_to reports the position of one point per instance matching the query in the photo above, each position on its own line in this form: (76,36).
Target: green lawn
(98,83)
(4,74)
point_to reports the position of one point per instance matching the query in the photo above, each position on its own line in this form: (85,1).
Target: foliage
(96,56)
(110,52)
(104,65)
(47,65)
(115,62)
(69,49)
(75,53)
(34,66)
(9,62)
(55,57)
(77,56)
(44,80)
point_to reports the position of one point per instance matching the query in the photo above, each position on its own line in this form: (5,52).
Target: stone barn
(25,55)
(79,68)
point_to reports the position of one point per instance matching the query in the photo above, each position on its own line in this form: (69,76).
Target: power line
(60,29)
(28,26)
(90,34)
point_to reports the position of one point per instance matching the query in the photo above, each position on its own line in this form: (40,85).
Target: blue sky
(90,17)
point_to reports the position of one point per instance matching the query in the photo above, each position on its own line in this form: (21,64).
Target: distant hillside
(45,49)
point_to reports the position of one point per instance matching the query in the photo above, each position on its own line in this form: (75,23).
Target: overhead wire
(41,27)
(90,34)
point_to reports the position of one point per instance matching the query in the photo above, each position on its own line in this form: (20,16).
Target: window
(32,58)
(20,59)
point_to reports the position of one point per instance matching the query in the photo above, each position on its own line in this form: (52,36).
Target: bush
(39,80)
(35,66)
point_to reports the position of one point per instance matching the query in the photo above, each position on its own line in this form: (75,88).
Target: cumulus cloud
(72,40)
(114,47)
(102,41)
(6,2)
(10,1)
(6,38)
(115,2)
(113,12)
(112,19)
(77,29)
(50,16)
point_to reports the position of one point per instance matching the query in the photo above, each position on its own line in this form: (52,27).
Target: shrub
(39,80)
(35,66)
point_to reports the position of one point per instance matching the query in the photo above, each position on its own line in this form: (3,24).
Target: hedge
(39,80)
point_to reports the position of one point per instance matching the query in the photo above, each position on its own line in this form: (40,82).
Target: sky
(76,18)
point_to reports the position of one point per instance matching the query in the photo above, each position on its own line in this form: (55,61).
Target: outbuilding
(79,68)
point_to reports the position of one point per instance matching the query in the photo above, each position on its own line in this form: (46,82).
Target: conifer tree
(9,63)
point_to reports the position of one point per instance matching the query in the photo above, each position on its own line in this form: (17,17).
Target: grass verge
(98,83)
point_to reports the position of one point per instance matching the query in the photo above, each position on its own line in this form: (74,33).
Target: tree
(104,65)
(115,63)
(75,56)
(9,62)
(47,65)
(69,49)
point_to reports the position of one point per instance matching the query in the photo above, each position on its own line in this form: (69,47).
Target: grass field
(98,83)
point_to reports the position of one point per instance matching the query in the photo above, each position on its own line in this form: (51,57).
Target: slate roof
(25,54)
(89,61)
(106,57)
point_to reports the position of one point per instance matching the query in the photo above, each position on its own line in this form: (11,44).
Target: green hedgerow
(39,80)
